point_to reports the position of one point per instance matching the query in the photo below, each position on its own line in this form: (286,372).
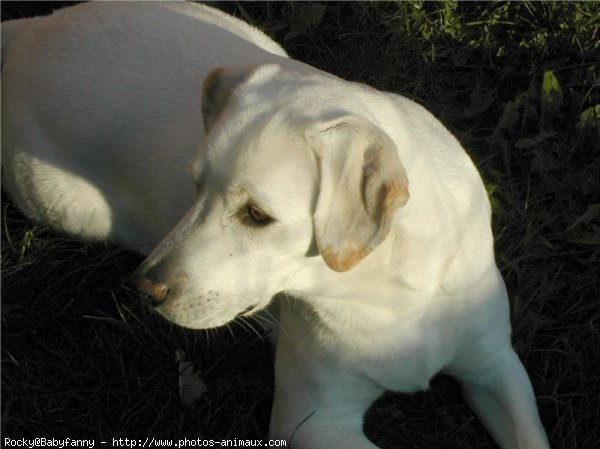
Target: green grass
(518,83)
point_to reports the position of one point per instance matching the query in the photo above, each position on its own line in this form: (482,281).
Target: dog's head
(283,182)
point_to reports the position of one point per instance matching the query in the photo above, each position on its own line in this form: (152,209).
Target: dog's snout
(154,291)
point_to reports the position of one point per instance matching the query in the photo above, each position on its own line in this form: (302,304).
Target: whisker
(230,330)
(263,321)
(207,335)
(238,322)
(243,320)
(271,319)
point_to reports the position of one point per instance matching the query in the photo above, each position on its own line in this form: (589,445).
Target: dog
(356,203)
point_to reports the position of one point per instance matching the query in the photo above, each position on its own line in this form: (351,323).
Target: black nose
(153,292)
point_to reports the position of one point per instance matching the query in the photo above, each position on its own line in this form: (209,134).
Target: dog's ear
(362,184)
(217,89)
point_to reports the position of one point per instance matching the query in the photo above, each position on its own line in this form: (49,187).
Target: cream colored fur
(358,204)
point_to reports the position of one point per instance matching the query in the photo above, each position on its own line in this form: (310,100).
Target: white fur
(381,231)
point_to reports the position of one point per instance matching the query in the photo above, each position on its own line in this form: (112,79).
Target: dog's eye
(253,215)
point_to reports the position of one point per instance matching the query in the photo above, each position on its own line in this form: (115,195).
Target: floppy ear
(217,90)
(362,184)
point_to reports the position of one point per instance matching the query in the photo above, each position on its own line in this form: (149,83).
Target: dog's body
(358,203)
(115,101)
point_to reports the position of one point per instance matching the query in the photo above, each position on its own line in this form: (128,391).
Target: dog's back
(129,113)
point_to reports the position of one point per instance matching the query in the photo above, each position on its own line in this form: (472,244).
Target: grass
(517,82)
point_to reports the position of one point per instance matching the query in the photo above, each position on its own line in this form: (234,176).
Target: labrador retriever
(356,203)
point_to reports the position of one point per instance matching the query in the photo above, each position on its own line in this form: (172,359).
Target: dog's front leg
(318,404)
(309,416)
(503,398)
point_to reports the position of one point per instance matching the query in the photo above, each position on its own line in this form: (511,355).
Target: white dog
(357,203)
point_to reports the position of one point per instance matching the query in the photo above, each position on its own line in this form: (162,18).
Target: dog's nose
(154,292)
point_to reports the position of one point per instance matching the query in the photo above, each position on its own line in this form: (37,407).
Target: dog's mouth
(248,311)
